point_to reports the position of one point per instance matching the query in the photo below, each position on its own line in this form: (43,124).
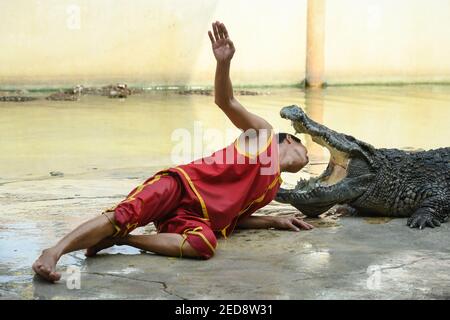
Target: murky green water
(42,136)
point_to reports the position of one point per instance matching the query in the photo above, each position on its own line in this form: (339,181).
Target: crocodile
(372,181)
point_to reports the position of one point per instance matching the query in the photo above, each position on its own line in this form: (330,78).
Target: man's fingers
(225,31)
(302,224)
(309,226)
(221,31)
(292,226)
(211,37)
(216,32)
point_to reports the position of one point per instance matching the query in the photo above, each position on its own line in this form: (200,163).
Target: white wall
(386,40)
(165,41)
(156,42)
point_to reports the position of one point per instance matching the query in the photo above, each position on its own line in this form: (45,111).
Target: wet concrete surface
(343,258)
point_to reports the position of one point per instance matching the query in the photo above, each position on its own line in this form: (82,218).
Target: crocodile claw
(423,220)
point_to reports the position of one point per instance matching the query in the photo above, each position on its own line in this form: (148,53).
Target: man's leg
(167,244)
(184,234)
(84,236)
(182,237)
(145,203)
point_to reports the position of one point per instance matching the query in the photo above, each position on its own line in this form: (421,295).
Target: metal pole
(315,43)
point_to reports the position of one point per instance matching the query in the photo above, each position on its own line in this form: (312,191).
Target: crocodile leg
(431,214)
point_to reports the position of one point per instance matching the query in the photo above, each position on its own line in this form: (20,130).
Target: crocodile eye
(350,138)
(398,159)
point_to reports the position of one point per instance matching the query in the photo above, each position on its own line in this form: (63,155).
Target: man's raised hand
(223,47)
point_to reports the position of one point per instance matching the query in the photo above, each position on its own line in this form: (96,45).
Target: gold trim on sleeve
(252,156)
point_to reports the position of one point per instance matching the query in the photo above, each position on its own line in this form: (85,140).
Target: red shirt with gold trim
(233,182)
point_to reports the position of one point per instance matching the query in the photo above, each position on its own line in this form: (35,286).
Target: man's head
(293,154)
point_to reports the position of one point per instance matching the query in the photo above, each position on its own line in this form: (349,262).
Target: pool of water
(41,136)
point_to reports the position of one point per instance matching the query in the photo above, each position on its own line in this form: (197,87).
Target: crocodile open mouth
(342,180)
(336,170)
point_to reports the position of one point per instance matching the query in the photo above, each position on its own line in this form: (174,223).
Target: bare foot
(105,243)
(45,265)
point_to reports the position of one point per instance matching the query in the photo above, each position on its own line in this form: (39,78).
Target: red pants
(160,200)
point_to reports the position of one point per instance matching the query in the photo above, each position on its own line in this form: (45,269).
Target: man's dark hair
(283,135)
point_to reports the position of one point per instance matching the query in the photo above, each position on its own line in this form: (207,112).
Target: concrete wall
(385,40)
(155,42)
(165,42)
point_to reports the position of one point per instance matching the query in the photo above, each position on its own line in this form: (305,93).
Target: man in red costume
(194,203)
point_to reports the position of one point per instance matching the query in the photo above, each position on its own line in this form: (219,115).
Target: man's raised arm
(223,49)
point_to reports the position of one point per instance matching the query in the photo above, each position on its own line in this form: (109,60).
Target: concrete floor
(343,258)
